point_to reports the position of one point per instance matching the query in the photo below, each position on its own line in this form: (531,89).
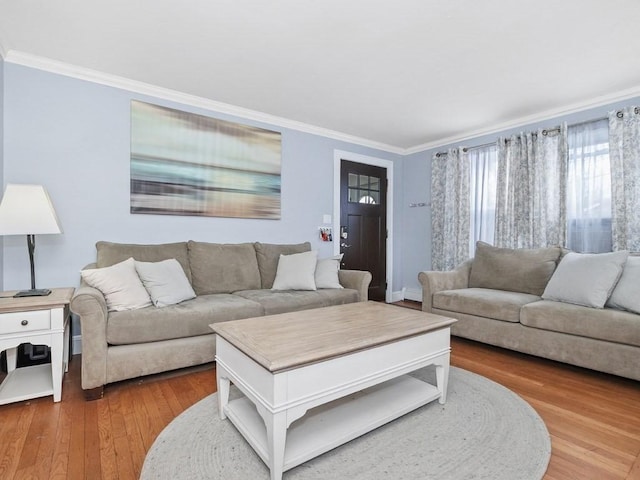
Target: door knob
(344,245)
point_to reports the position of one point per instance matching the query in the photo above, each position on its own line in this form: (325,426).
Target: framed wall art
(188,164)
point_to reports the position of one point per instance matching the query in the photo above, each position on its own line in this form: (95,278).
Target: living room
(66,125)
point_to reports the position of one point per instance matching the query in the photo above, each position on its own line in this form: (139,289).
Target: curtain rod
(545,132)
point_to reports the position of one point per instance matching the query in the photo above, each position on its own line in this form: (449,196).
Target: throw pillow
(165,281)
(296,272)
(586,278)
(327,272)
(523,270)
(625,295)
(268,256)
(120,285)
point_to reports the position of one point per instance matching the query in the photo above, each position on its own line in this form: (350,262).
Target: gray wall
(73,137)
(416,245)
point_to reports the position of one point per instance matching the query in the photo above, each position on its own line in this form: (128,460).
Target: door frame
(338,156)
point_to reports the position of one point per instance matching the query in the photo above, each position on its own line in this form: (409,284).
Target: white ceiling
(406,74)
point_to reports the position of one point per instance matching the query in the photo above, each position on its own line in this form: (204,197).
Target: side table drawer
(18,322)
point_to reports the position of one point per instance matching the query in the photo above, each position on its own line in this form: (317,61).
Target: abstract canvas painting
(188,164)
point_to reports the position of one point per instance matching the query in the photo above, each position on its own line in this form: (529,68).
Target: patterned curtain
(449,209)
(624,155)
(530,206)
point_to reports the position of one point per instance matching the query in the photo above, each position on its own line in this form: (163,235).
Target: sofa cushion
(109,253)
(223,268)
(186,319)
(268,256)
(600,324)
(516,270)
(285,301)
(484,302)
(586,278)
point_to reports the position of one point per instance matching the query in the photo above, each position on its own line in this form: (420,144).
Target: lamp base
(36,292)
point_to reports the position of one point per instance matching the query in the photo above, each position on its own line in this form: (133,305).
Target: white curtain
(530,212)
(449,209)
(483,165)
(624,154)
(588,187)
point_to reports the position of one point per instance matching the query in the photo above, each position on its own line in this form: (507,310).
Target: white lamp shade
(27,210)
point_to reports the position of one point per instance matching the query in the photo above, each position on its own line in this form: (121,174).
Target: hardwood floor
(593,419)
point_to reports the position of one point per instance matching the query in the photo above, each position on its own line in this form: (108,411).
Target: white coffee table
(339,371)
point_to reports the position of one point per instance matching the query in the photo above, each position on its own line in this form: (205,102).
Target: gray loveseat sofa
(231,281)
(497,299)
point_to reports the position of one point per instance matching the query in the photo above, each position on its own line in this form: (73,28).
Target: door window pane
(367,191)
(353,180)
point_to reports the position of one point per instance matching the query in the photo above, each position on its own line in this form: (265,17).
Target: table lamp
(27,210)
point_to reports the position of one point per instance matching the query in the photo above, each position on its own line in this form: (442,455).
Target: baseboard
(397,296)
(76,345)
(413,294)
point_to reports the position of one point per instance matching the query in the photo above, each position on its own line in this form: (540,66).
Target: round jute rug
(484,431)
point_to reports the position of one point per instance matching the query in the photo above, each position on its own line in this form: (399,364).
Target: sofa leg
(94,393)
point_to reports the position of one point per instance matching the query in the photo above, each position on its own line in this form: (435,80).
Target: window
(589,188)
(483,172)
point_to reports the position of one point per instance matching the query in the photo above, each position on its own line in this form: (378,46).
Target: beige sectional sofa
(503,297)
(231,281)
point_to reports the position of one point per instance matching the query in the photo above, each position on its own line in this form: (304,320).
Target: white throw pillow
(585,278)
(296,271)
(165,281)
(120,285)
(626,295)
(327,272)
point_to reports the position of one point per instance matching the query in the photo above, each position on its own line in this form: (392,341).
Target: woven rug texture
(484,431)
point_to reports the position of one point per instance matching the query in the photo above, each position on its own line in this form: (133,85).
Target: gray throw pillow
(626,294)
(120,285)
(268,255)
(296,271)
(165,281)
(521,270)
(327,272)
(586,278)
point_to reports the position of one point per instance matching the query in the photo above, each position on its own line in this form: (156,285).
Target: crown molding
(528,120)
(81,73)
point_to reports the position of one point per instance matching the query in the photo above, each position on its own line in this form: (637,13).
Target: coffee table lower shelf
(335,423)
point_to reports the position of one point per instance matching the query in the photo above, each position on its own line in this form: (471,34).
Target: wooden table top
(290,340)
(59,297)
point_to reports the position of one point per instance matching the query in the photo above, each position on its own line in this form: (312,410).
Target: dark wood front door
(363,222)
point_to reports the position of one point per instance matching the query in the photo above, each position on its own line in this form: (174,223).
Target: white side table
(39,321)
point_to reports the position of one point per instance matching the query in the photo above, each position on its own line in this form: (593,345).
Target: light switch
(326,218)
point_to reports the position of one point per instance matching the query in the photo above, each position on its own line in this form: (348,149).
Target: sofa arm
(358,280)
(433,282)
(89,304)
